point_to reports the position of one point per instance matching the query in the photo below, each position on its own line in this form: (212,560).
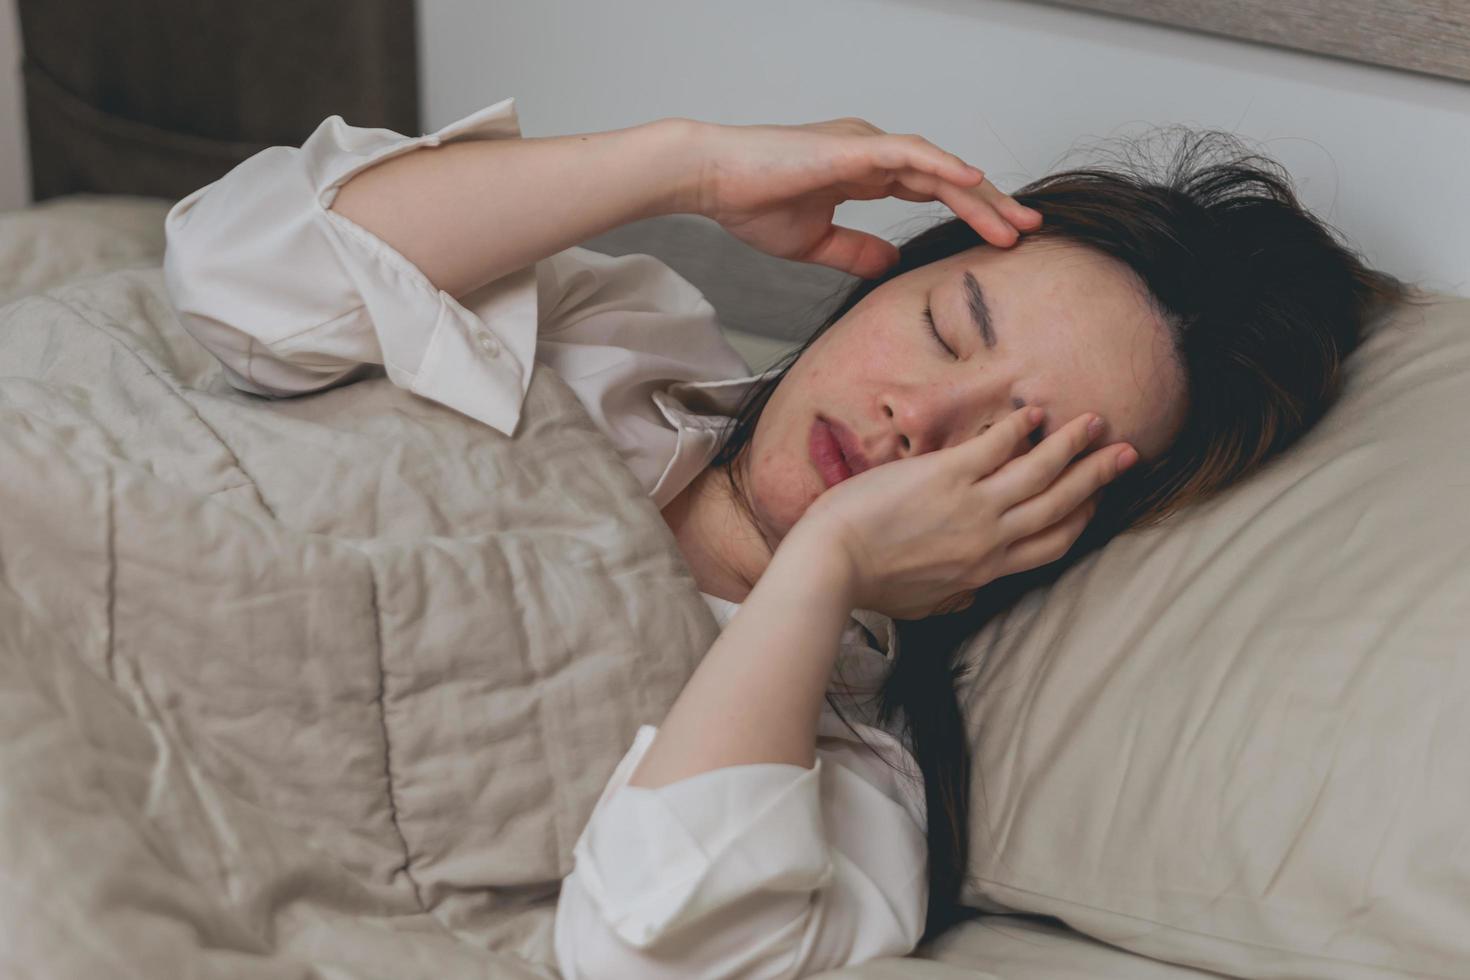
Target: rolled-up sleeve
(763,870)
(292,297)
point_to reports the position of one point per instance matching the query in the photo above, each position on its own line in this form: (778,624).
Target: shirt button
(487,342)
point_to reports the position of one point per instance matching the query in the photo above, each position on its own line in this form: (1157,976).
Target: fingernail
(1126,459)
(1095,426)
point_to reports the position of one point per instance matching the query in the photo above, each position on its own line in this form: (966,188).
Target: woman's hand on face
(776,188)
(922,533)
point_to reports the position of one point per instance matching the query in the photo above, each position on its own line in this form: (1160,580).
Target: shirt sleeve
(763,870)
(292,297)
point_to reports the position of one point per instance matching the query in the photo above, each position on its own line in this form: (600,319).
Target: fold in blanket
(303,687)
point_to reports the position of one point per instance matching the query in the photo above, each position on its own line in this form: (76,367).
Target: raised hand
(776,188)
(922,533)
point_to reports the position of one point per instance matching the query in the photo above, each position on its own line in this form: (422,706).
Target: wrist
(678,149)
(815,559)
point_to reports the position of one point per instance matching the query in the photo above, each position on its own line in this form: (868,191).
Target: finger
(1017,213)
(904,193)
(1030,475)
(981,456)
(958,602)
(913,152)
(1083,481)
(973,205)
(854,252)
(925,157)
(1008,207)
(914,186)
(910,185)
(978,213)
(1049,544)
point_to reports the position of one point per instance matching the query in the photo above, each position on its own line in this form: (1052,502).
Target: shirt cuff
(478,363)
(656,860)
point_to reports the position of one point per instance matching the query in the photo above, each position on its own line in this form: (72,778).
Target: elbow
(756,938)
(188,279)
(586,948)
(209,312)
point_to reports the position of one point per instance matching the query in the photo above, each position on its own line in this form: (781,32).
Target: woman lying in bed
(979,412)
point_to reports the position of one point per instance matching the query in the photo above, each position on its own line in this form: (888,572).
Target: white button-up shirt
(768,870)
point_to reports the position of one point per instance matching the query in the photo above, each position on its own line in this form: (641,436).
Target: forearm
(468,212)
(756,695)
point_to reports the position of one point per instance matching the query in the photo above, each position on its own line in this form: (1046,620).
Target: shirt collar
(715,400)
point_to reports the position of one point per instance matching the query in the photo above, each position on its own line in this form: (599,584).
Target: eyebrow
(979,309)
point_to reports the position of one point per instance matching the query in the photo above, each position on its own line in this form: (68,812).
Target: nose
(937,416)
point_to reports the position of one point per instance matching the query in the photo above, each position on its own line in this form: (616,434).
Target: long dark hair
(1263,302)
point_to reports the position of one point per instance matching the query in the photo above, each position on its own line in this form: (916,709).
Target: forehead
(1082,333)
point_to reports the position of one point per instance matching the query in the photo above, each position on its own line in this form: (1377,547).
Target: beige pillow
(1239,741)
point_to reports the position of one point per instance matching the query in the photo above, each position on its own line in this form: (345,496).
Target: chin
(780,502)
(786,526)
(776,522)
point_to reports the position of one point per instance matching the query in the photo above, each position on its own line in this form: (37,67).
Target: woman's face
(1073,333)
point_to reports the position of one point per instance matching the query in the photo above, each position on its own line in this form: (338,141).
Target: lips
(827,455)
(852,449)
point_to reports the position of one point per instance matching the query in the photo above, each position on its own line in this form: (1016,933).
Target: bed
(302,688)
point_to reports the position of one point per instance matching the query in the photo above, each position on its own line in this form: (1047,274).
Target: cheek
(863,335)
(878,331)
(781,480)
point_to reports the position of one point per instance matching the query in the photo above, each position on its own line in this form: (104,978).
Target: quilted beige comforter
(320,687)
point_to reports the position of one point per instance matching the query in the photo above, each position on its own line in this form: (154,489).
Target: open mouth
(827,454)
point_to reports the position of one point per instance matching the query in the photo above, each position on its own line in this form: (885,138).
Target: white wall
(15,179)
(1010,86)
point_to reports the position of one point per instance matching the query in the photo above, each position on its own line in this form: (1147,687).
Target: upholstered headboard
(159,97)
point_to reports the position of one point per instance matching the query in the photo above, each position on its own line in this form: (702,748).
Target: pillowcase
(1237,741)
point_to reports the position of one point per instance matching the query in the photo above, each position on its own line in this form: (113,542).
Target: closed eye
(934,331)
(1035,436)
